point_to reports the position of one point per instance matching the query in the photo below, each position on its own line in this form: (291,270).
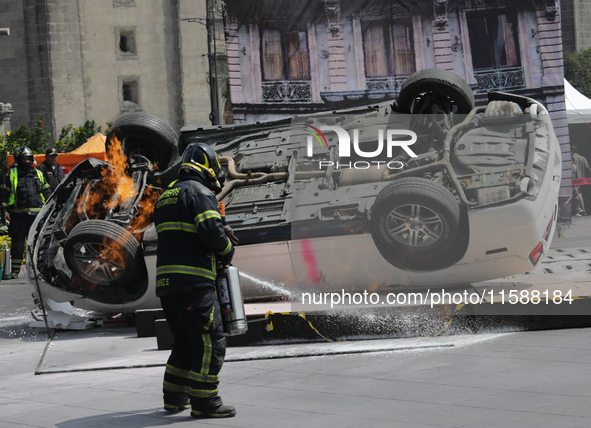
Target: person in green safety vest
(22,194)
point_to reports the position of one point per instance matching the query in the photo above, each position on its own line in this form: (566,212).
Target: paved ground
(110,377)
(537,379)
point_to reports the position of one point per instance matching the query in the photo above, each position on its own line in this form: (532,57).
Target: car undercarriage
(408,174)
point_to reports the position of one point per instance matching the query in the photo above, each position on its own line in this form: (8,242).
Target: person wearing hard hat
(22,194)
(191,237)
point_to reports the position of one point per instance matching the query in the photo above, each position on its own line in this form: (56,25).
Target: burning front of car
(87,241)
(425,192)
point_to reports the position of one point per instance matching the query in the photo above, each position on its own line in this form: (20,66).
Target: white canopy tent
(578,106)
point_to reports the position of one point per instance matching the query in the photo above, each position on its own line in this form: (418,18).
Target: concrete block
(145,319)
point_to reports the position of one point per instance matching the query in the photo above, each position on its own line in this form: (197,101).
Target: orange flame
(119,180)
(146,208)
(116,188)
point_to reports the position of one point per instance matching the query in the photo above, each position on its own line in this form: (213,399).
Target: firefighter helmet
(22,152)
(200,159)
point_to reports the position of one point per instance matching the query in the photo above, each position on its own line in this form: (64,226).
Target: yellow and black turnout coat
(23,191)
(191,236)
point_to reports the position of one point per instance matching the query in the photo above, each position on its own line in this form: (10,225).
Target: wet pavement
(110,377)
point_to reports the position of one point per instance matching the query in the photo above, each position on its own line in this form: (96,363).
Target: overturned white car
(425,191)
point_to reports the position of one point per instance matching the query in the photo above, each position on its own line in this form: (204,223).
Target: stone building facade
(24,62)
(73,61)
(288,57)
(576,24)
(363,50)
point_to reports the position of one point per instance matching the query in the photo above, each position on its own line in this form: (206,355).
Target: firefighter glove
(226,259)
(230,235)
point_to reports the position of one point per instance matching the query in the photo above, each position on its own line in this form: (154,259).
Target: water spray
(279,289)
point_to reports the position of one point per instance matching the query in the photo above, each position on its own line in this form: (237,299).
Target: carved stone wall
(336,46)
(576,25)
(5,113)
(24,61)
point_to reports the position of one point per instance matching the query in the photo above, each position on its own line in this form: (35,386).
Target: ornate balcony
(385,83)
(287,91)
(501,79)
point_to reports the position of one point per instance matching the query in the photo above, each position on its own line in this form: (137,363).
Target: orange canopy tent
(93,148)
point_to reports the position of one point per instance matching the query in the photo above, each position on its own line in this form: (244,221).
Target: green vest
(14,181)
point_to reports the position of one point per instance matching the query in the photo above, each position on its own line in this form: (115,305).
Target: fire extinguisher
(229,292)
(231,302)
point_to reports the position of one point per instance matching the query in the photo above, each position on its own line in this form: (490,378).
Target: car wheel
(413,222)
(101,252)
(147,135)
(435,85)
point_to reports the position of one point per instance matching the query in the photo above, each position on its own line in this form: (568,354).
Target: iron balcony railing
(287,91)
(500,79)
(382,83)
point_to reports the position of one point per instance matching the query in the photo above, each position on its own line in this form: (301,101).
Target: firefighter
(191,239)
(22,194)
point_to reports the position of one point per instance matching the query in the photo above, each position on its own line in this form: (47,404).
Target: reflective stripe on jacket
(190,236)
(23,192)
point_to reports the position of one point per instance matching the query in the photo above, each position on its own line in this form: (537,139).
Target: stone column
(441,36)
(5,113)
(5,109)
(336,46)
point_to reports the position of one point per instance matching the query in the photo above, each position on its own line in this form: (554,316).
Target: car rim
(98,262)
(414,225)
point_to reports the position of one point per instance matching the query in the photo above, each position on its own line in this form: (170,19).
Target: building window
(284,55)
(388,48)
(130,93)
(130,89)
(127,45)
(285,64)
(493,40)
(494,47)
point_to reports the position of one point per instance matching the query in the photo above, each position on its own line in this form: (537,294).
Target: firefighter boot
(222,411)
(176,408)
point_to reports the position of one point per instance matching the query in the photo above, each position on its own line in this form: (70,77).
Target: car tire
(147,135)
(436,81)
(101,252)
(414,222)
